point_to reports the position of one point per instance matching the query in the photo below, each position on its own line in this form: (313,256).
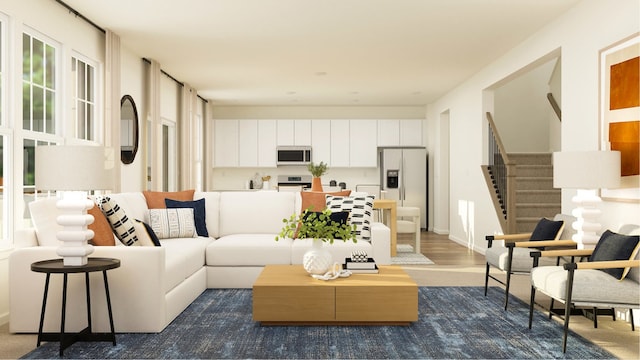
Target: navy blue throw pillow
(340,217)
(546,230)
(152,234)
(613,246)
(199,213)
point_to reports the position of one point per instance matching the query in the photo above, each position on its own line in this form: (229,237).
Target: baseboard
(441,231)
(465,243)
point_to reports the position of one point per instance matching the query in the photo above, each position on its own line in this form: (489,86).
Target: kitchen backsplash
(237,178)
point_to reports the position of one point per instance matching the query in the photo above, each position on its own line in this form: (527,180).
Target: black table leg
(106,291)
(88,289)
(44,306)
(64,311)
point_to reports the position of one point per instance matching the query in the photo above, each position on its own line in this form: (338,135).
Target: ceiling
(322,52)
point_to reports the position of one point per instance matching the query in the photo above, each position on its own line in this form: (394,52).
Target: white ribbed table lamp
(72,171)
(586,171)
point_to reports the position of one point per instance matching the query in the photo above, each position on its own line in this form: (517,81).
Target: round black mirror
(128,129)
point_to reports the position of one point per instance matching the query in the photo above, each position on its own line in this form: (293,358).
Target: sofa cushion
(155,199)
(212,210)
(133,204)
(588,285)
(199,213)
(248,250)
(317,201)
(43,216)
(612,246)
(183,258)
(172,223)
(120,223)
(102,233)
(264,210)
(361,209)
(522,262)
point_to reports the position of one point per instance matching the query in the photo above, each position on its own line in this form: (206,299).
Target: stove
(295,180)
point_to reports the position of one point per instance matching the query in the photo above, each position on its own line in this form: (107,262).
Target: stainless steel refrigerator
(403,177)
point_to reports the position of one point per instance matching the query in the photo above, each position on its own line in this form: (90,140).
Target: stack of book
(361,267)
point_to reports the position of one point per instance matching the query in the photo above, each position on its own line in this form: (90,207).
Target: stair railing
(503,174)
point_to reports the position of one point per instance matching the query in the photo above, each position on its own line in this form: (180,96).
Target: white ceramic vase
(317,260)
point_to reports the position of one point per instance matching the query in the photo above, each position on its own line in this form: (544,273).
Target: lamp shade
(73,168)
(586,169)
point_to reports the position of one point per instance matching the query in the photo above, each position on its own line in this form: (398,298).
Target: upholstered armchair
(609,279)
(513,257)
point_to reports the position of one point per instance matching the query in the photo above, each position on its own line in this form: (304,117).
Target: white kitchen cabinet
(294,132)
(248,143)
(225,148)
(388,132)
(302,132)
(339,143)
(362,143)
(285,132)
(321,141)
(267,134)
(405,132)
(411,132)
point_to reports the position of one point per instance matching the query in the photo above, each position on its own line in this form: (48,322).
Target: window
(39,97)
(5,191)
(38,84)
(84,94)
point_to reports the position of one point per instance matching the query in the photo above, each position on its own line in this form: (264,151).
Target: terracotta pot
(316,184)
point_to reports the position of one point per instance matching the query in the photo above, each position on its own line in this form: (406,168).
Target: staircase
(521,185)
(535,196)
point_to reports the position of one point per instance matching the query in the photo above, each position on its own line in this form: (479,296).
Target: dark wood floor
(442,250)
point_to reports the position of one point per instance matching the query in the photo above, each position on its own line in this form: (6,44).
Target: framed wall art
(620,113)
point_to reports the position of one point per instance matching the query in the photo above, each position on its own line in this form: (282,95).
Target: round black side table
(56,266)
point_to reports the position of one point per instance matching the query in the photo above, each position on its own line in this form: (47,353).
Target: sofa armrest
(25,238)
(137,291)
(381,243)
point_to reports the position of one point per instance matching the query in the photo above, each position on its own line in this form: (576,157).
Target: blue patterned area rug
(454,323)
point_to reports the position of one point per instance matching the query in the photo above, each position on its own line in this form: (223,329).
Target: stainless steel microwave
(293,155)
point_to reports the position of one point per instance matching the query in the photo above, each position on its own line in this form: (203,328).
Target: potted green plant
(317,171)
(322,227)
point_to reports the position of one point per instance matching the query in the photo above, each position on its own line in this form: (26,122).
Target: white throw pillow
(172,223)
(360,209)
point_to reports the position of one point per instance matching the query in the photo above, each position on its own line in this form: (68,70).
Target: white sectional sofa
(153,285)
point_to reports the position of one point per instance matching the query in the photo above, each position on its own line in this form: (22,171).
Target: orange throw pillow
(103,235)
(318,199)
(155,199)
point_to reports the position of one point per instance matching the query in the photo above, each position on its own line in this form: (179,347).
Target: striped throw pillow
(121,225)
(172,223)
(360,209)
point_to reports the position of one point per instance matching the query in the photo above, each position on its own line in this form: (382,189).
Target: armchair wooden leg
(633,327)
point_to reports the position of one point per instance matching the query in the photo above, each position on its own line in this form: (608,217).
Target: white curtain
(112,101)
(154,134)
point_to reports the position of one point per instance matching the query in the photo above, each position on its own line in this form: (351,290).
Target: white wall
(580,34)
(522,111)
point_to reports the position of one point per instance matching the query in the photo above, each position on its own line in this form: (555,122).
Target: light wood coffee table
(287,295)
